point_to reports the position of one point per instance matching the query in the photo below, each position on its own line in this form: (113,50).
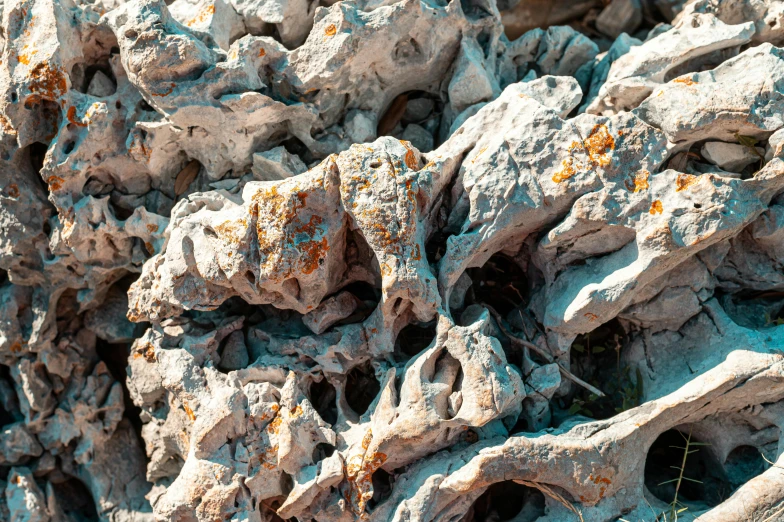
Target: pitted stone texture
(357,260)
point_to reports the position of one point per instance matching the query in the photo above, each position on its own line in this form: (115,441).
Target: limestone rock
(383,260)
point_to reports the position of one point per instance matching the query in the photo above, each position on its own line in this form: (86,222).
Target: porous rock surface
(375,260)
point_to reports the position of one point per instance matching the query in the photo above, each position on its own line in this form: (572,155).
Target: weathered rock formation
(378,260)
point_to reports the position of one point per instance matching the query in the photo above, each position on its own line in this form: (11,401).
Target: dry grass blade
(547,490)
(548,357)
(186,177)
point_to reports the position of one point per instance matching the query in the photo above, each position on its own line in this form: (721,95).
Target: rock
(620,16)
(685,117)
(731,156)
(330,311)
(101,85)
(235,354)
(419,137)
(418,109)
(378,261)
(636,74)
(276,164)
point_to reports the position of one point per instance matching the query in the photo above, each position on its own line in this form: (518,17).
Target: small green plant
(778,321)
(676,506)
(751,143)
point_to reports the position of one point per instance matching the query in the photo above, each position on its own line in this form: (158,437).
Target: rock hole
(362,387)
(68,147)
(368,296)
(375,165)
(75,500)
(322,451)
(596,359)
(96,79)
(382,488)
(756,310)
(9,405)
(322,396)
(666,455)
(413,339)
(743,464)
(14,97)
(209,232)
(501,283)
(131,34)
(506,501)
(115,356)
(36,154)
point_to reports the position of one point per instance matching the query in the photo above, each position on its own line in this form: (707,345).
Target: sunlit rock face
(391,261)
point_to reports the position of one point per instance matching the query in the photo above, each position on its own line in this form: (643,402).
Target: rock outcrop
(368,260)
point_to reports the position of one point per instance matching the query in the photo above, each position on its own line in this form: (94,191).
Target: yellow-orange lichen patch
(272,427)
(16,347)
(411,161)
(147,351)
(684,81)
(188,411)
(47,82)
(203,16)
(152,228)
(6,125)
(567,170)
(656,207)
(71,115)
(55,183)
(638,182)
(262,52)
(599,145)
(150,248)
(591,317)
(685,181)
(331,30)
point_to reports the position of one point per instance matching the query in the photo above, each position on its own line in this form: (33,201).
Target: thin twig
(547,490)
(547,357)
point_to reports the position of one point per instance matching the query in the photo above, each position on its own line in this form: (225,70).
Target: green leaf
(574,408)
(746,141)
(598,349)
(579,348)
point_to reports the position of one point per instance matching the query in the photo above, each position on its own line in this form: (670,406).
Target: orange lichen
(147,351)
(656,207)
(567,170)
(150,248)
(262,52)
(203,16)
(599,145)
(188,411)
(55,183)
(152,228)
(272,427)
(638,182)
(685,181)
(71,115)
(411,161)
(684,81)
(6,125)
(296,411)
(590,316)
(331,30)
(47,82)
(16,347)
